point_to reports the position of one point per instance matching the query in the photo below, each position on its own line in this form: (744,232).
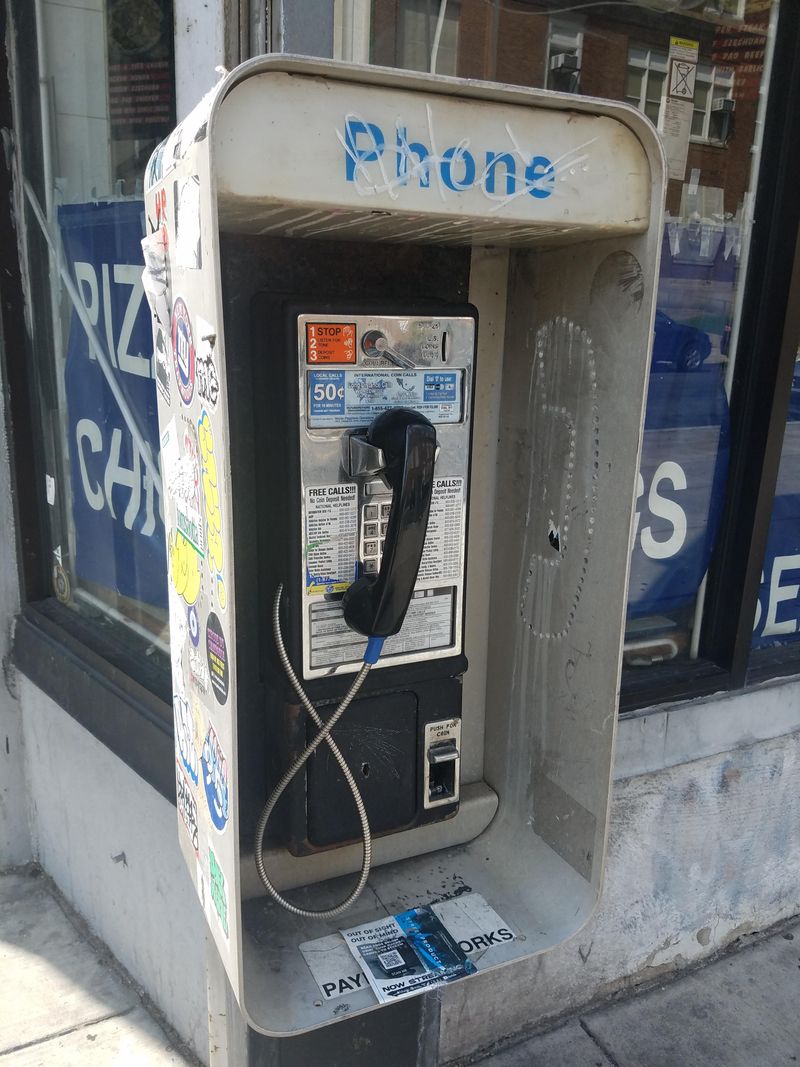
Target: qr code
(388,960)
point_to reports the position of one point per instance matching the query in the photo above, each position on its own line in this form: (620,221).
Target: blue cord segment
(374,649)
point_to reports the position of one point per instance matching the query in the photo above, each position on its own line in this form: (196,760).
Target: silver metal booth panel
(561,243)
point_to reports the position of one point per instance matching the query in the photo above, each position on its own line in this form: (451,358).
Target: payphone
(397,590)
(366,558)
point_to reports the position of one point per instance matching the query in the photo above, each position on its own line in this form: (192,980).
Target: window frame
(404,40)
(564,35)
(115,695)
(710,75)
(766,348)
(654,61)
(716,76)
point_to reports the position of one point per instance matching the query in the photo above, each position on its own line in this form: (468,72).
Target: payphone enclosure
(525,226)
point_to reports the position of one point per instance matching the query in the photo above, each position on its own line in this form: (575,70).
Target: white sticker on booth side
(187,807)
(441,557)
(188,733)
(177,638)
(155,276)
(334,970)
(186,208)
(331,536)
(170,454)
(208,385)
(163,357)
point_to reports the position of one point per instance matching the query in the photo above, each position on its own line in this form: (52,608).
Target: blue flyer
(406,953)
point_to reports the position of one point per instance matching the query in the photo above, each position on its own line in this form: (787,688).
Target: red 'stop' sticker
(330,342)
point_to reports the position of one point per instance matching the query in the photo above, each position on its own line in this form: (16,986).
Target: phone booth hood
(544,212)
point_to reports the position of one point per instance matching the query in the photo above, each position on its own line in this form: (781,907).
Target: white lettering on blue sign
(662,507)
(129,274)
(135,479)
(781,595)
(501,176)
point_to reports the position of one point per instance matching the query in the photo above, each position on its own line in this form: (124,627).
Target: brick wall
(507,42)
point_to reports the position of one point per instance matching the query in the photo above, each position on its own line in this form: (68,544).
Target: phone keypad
(373,534)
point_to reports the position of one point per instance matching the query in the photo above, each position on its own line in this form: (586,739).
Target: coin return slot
(442,782)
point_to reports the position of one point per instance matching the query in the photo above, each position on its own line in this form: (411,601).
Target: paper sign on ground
(473,923)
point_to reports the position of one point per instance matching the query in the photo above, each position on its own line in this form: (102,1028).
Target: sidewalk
(65,1001)
(741,1010)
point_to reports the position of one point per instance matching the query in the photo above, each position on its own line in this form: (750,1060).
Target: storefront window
(698,75)
(108,98)
(107,76)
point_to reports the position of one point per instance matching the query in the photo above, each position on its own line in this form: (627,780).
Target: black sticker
(217,654)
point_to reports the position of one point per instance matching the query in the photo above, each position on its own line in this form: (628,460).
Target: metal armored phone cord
(374,646)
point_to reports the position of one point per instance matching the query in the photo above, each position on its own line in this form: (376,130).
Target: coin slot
(444,346)
(442,781)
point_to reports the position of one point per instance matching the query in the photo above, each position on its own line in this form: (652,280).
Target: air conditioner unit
(720,126)
(565,63)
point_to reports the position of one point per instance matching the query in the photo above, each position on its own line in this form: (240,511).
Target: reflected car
(685,347)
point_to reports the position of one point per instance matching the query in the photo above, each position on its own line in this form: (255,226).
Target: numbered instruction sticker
(331,537)
(331,342)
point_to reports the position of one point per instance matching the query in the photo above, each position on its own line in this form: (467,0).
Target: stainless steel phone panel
(351,367)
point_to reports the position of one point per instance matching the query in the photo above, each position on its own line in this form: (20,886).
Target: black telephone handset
(376,607)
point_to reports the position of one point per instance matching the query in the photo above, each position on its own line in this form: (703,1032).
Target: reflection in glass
(109,71)
(623,52)
(428,42)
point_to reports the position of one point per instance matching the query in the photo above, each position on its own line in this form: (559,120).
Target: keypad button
(370,512)
(383,528)
(370,548)
(371,529)
(370,566)
(385,509)
(381,546)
